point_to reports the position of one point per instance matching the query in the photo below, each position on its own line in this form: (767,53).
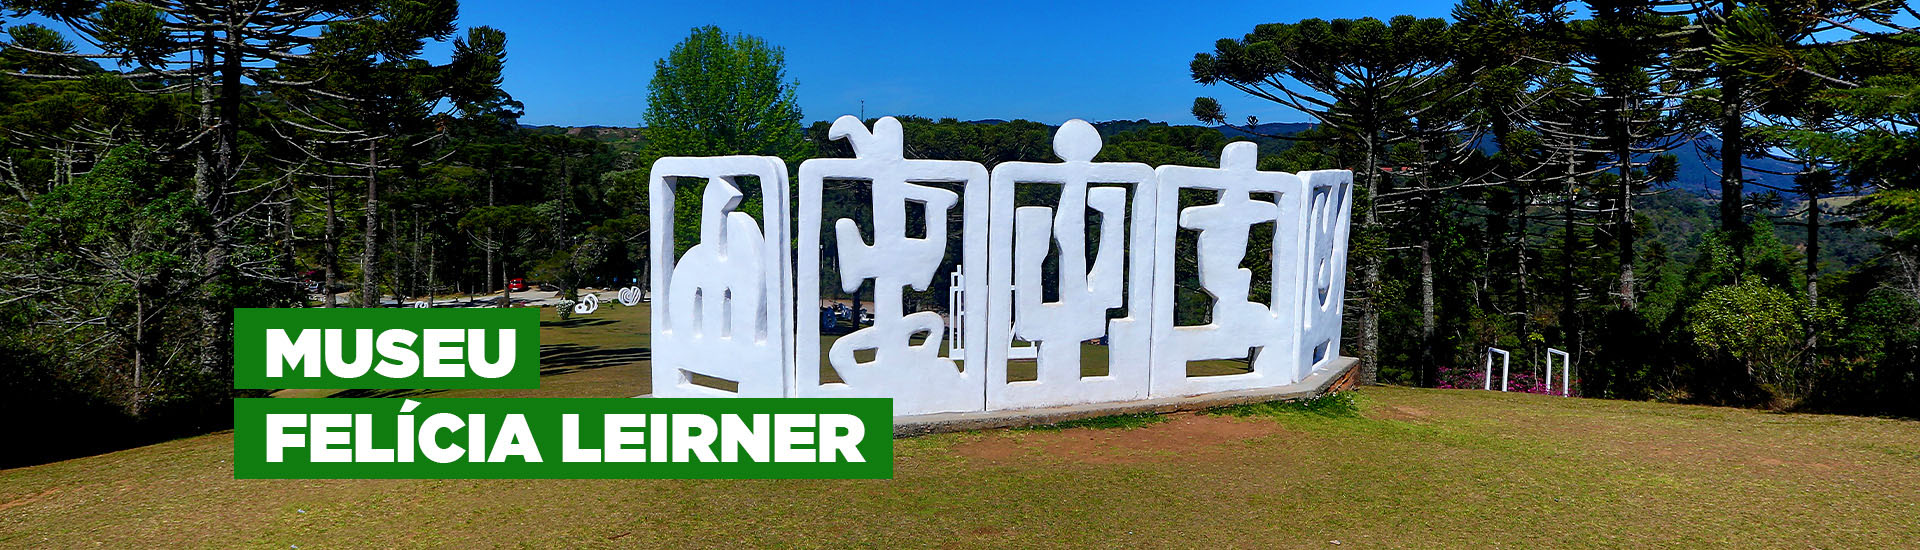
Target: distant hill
(1266,129)
(1698,168)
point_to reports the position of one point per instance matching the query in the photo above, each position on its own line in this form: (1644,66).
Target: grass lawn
(600,355)
(1399,468)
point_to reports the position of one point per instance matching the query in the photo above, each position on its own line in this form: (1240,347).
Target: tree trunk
(332,248)
(369,247)
(1370,276)
(1733,148)
(1429,371)
(1623,226)
(1813,281)
(214,175)
(1570,320)
(1732,174)
(495,243)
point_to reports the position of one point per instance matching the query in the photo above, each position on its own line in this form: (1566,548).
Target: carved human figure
(726,296)
(917,375)
(1263,334)
(1085,293)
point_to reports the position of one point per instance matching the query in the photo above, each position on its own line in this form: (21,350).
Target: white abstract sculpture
(1260,333)
(728,311)
(736,310)
(1504,358)
(1086,293)
(1566,372)
(588,303)
(630,296)
(917,376)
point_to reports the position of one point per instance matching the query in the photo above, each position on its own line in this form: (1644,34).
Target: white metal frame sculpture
(1504,358)
(727,311)
(917,376)
(732,307)
(1566,372)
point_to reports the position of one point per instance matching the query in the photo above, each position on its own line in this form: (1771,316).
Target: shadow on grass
(578,322)
(384,393)
(556,359)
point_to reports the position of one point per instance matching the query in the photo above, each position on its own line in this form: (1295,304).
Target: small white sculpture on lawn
(630,296)
(723,328)
(917,376)
(1086,293)
(588,303)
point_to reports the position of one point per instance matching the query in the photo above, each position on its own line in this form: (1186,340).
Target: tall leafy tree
(723,94)
(717,93)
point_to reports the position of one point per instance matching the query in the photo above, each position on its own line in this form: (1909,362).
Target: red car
(516,284)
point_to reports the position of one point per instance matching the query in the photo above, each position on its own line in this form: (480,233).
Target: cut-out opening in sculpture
(1095,355)
(726,313)
(1025,369)
(687,193)
(1321,276)
(1193,304)
(712,382)
(850,199)
(1043,195)
(916,218)
(699,312)
(1261,254)
(1047,198)
(1223,366)
(1096,222)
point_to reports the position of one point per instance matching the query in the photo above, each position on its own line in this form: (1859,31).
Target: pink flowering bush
(1523,381)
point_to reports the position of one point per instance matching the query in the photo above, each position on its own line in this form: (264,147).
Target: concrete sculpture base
(1337,376)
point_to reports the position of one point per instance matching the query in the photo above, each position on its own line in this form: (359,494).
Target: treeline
(1505,158)
(215,156)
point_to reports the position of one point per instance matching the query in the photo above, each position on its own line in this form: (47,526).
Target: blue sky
(580,63)
(585,63)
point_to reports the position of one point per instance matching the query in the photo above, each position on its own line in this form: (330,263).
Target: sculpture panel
(1325,221)
(1120,277)
(1262,334)
(917,376)
(725,317)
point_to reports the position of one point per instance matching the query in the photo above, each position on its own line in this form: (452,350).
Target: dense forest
(1710,201)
